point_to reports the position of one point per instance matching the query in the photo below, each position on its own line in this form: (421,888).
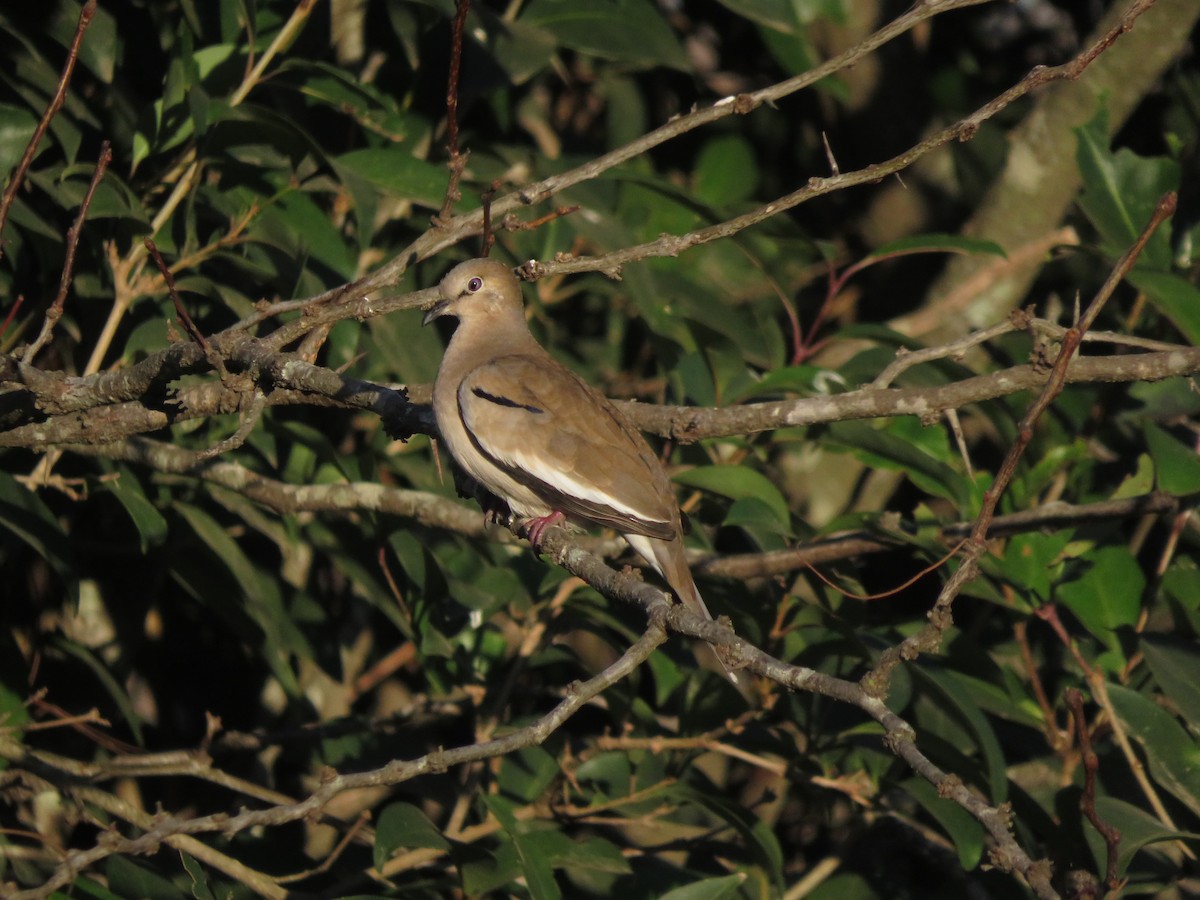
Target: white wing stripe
(565,484)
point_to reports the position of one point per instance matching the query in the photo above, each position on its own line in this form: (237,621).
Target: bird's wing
(553,433)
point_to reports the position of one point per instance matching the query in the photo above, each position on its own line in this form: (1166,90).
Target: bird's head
(477,288)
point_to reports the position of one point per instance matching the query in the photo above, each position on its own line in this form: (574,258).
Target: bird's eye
(474,285)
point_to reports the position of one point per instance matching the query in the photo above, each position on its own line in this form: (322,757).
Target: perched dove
(535,435)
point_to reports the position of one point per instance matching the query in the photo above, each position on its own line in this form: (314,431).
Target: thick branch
(293,381)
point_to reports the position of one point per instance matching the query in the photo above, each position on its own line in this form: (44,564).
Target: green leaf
(539,874)
(756,516)
(127,878)
(151,525)
(101,42)
(957,700)
(936,243)
(17,126)
(404,826)
(753,831)
(1177,466)
(521,49)
(200,886)
(1139,483)
(1121,190)
(1108,595)
(776,14)
(739,483)
(593,855)
(787,16)
(1175,298)
(89,888)
(1175,662)
(23,514)
(718,888)
(845,886)
(905,444)
(1173,755)
(958,824)
(526,773)
(110,684)
(1031,561)
(726,171)
(260,596)
(1138,829)
(794,379)
(396,171)
(626,30)
(13,714)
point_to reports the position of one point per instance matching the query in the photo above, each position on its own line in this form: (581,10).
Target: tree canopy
(906,297)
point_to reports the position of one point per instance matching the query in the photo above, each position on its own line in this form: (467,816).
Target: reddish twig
(458,160)
(836,283)
(60,95)
(12,313)
(1087,800)
(940,619)
(54,313)
(512,223)
(890,592)
(1058,375)
(82,724)
(1057,740)
(487,239)
(188,325)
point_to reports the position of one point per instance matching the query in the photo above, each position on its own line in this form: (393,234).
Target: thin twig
(60,96)
(188,325)
(512,223)
(458,160)
(468,224)
(929,637)
(12,313)
(54,313)
(1099,685)
(250,418)
(906,359)
(355,300)
(1087,800)
(177,832)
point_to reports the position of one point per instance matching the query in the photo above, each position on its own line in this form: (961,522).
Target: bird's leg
(534,528)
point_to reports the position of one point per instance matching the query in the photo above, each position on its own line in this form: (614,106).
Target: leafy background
(276,151)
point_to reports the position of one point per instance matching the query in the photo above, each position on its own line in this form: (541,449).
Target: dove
(535,435)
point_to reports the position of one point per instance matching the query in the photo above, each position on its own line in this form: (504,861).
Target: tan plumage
(534,434)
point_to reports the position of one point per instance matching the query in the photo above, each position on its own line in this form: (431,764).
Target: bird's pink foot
(535,527)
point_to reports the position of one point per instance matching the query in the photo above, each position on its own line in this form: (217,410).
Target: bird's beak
(434,311)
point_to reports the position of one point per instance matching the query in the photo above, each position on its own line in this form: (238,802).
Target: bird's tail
(669,561)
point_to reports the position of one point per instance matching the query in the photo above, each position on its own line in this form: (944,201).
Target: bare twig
(1087,800)
(177,832)
(906,359)
(352,300)
(459,227)
(188,325)
(929,637)
(60,95)
(458,161)
(1099,686)
(282,40)
(12,313)
(54,313)
(512,223)
(250,418)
